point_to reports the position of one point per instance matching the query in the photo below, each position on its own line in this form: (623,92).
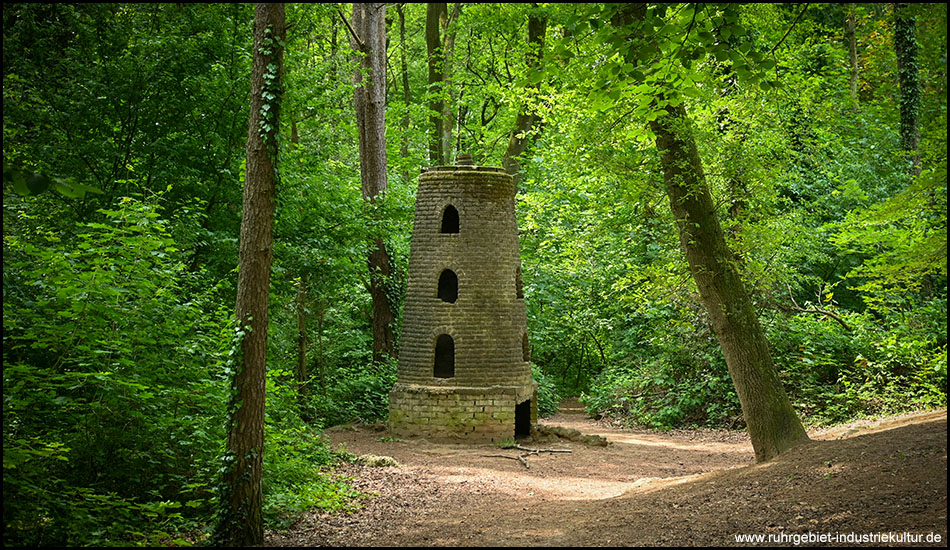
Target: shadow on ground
(879,479)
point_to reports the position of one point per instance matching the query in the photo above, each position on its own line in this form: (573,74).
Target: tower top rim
(465,168)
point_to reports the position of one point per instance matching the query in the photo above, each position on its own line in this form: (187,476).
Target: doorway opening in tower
(523,419)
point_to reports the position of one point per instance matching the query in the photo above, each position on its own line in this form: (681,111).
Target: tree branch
(355,36)
(795,22)
(796,307)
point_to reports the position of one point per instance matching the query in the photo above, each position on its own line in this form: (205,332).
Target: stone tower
(464,365)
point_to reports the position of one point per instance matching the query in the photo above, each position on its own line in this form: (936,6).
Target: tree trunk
(369,23)
(852,54)
(321,308)
(300,372)
(241,521)
(773,425)
(908,73)
(436,12)
(406,95)
(440,44)
(528,122)
(448,103)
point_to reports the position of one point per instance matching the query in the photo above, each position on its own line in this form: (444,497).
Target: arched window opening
(444,357)
(448,286)
(450,220)
(519,286)
(525,348)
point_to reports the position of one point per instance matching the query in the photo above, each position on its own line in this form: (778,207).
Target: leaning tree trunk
(369,24)
(773,424)
(241,520)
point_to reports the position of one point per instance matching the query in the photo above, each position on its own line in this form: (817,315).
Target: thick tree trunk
(369,23)
(773,425)
(241,519)
(528,121)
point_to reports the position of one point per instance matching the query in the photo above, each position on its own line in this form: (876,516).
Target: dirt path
(885,478)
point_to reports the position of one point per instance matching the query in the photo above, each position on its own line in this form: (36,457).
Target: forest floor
(883,478)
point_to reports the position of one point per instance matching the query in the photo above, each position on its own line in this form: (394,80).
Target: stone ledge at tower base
(459,413)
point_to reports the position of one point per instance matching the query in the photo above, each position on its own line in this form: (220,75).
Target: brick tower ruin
(464,365)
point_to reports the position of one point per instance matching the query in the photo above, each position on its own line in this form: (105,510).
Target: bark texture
(369,24)
(241,522)
(773,425)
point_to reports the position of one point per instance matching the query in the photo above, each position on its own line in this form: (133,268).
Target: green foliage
(297,461)
(834,375)
(548,395)
(106,110)
(356,394)
(26,183)
(904,242)
(679,379)
(109,373)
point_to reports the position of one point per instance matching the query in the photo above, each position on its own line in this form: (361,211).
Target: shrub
(356,394)
(548,395)
(111,412)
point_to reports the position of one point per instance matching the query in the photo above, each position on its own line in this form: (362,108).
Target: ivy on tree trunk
(241,520)
(908,73)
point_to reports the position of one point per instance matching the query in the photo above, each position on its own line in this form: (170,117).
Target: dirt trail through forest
(884,478)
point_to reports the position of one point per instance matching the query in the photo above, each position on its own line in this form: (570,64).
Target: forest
(801,146)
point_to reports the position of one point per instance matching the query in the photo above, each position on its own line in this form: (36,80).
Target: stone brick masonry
(484,371)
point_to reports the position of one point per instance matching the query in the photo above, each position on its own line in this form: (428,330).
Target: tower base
(470,414)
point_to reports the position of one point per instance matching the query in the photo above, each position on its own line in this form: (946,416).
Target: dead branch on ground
(528,452)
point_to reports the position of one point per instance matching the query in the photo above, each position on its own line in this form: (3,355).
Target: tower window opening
(444,357)
(448,286)
(450,220)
